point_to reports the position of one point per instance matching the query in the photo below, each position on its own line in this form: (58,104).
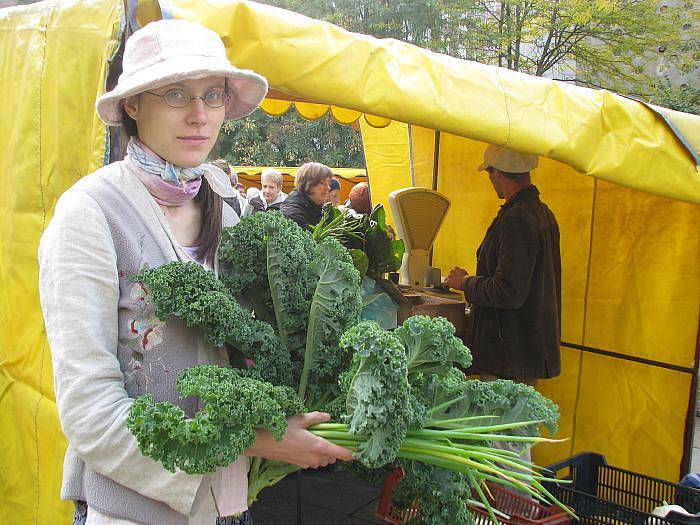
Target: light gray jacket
(108,347)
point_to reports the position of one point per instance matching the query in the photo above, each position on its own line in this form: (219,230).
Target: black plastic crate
(601,493)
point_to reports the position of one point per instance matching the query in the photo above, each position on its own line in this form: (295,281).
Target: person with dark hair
(334,192)
(516,292)
(161,203)
(304,204)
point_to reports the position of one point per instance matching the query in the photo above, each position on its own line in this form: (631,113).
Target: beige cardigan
(105,343)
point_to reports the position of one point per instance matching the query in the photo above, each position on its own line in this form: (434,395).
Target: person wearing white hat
(161,203)
(516,292)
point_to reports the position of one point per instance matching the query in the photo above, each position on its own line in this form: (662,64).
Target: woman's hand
(299,446)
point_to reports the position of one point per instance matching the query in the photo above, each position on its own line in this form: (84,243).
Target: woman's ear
(131,106)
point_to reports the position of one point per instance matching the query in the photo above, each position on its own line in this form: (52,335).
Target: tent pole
(436,168)
(436,159)
(688,437)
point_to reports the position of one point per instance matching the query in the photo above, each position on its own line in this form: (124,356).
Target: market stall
(621,177)
(249,176)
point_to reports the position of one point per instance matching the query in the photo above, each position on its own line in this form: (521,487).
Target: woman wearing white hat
(160,204)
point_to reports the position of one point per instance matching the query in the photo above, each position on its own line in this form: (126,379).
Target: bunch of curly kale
(292,305)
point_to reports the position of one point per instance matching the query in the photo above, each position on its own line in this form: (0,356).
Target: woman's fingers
(313,418)
(299,446)
(340,453)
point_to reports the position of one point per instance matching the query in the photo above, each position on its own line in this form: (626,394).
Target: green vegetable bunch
(373,250)
(291,303)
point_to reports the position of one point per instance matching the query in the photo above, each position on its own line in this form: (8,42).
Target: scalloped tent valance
(312,111)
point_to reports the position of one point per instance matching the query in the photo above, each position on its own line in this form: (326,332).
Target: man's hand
(457,278)
(299,446)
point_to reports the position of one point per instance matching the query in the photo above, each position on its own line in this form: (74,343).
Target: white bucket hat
(508,161)
(169,51)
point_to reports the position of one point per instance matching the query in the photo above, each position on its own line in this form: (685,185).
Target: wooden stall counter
(434,302)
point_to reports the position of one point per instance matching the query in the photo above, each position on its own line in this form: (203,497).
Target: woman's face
(318,193)
(270,190)
(182,136)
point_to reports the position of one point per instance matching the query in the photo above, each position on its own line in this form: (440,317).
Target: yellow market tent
(621,177)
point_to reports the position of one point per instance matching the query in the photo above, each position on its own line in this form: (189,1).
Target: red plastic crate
(516,509)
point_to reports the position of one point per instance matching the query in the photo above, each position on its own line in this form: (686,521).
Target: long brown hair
(210,205)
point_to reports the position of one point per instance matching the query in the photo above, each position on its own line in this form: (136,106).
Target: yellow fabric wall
(630,284)
(54,62)
(387,155)
(51,137)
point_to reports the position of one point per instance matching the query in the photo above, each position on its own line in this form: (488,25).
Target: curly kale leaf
(243,249)
(335,306)
(290,253)
(243,258)
(188,291)
(431,345)
(265,264)
(443,494)
(511,402)
(379,401)
(234,406)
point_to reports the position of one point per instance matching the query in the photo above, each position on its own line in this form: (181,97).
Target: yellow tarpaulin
(631,259)
(630,286)
(54,63)
(596,132)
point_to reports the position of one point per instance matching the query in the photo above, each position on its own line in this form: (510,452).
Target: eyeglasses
(179,98)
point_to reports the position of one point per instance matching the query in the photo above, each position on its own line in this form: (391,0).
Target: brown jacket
(516,292)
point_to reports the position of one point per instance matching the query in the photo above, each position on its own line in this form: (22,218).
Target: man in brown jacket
(516,292)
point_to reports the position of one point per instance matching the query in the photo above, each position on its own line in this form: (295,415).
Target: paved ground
(328,498)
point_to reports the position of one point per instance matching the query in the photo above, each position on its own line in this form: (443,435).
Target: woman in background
(304,204)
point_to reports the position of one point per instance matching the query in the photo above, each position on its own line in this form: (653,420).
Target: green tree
(289,140)
(685,98)
(601,43)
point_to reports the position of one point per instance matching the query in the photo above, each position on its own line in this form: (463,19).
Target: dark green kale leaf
(195,295)
(335,306)
(234,406)
(442,495)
